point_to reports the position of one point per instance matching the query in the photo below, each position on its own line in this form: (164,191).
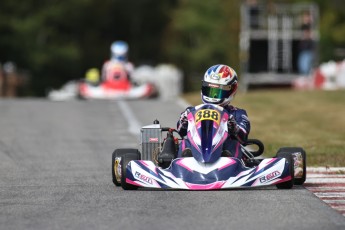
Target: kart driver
(219,87)
(119,55)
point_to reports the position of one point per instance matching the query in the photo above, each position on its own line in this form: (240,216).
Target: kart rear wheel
(287,184)
(116,166)
(126,158)
(300,165)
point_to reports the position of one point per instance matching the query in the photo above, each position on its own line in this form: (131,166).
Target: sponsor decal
(269,177)
(143,177)
(117,169)
(298,164)
(225,72)
(213,85)
(215,76)
(153,139)
(231,72)
(244,117)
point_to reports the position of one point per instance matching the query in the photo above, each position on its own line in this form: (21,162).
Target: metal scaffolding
(269,41)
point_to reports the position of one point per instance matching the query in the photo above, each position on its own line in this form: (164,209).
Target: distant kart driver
(119,56)
(92,76)
(219,88)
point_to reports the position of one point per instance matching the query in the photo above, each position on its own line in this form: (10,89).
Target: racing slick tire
(287,184)
(300,170)
(115,164)
(126,158)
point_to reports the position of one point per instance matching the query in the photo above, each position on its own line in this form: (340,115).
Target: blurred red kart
(116,84)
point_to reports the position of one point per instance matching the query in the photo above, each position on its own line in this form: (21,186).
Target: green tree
(59,40)
(332,29)
(203,33)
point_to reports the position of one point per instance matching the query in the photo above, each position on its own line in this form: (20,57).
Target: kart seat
(168,152)
(255,151)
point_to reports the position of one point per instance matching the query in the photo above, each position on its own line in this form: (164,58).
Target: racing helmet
(119,50)
(219,85)
(92,75)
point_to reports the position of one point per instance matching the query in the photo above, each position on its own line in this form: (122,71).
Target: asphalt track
(55,162)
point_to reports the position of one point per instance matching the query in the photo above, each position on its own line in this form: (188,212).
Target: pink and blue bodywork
(207,169)
(187,173)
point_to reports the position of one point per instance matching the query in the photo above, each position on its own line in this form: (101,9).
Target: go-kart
(116,85)
(204,165)
(117,90)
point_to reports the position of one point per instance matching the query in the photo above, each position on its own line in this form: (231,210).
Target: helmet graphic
(119,51)
(219,85)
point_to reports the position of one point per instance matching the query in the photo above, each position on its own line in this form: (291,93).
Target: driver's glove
(232,125)
(184,120)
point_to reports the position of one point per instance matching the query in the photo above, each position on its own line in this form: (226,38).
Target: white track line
(326,170)
(318,175)
(327,180)
(183,103)
(330,194)
(134,125)
(327,188)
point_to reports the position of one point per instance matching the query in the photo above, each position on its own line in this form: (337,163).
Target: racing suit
(237,135)
(108,65)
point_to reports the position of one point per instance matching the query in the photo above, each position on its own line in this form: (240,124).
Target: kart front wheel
(300,162)
(116,163)
(287,184)
(126,158)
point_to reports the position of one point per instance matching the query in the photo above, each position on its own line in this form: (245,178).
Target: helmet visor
(215,90)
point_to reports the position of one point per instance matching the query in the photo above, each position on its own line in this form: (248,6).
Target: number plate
(207,114)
